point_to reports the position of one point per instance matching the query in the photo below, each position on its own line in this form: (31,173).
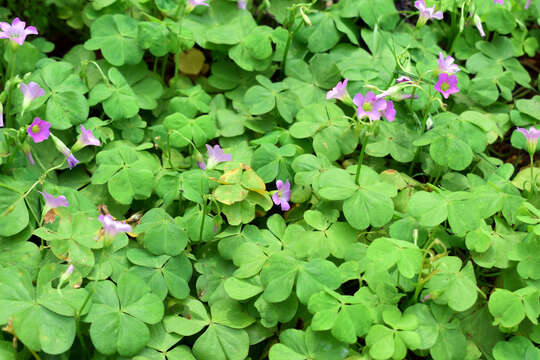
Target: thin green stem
(203,213)
(360,159)
(11,70)
(533,182)
(101,72)
(34,354)
(164,66)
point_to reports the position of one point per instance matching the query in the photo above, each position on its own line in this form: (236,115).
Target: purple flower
(402,79)
(86,139)
(532,136)
(446,65)
(339,91)
(427,13)
(71,160)
(369,106)
(69,270)
(51,202)
(30,158)
(1,119)
(16,31)
(31,92)
(39,130)
(282,195)
(242,4)
(112,227)
(498,2)
(447,85)
(215,156)
(389,112)
(193,3)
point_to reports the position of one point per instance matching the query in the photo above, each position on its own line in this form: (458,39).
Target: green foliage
(414,235)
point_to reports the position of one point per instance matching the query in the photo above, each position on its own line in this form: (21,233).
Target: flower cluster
(447,82)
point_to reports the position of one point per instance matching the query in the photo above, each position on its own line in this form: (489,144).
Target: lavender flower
(71,160)
(30,92)
(39,130)
(65,276)
(86,139)
(389,111)
(193,3)
(112,227)
(369,106)
(1,118)
(446,65)
(427,13)
(498,2)
(447,85)
(242,4)
(532,136)
(51,202)
(339,91)
(527,4)
(69,270)
(215,156)
(16,31)
(30,158)
(282,195)
(402,79)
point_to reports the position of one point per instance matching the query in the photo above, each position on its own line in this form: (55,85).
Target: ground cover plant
(274,179)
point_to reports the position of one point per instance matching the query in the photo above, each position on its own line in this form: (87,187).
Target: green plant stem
(288,46)
(360,159)
(34,354)
(533,182)
(101,72)
(164,66)
(11,70)
(203,214)
(180,16)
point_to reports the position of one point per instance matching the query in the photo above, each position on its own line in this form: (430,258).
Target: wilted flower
(446,65)
(447,85)
(51,202)
(339,91)
(16,31)
(478,24)
(532,136)
(30,92)
(39,130)
(71,160)
(427,13)
(429,123)
(369,106)
(282,195)
(215,156)
(86,139)
(112,227)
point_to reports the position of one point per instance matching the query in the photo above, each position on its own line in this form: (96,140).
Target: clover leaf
(116,37)
(123,310)
(299,345)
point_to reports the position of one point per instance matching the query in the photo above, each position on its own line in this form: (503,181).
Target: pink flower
(39,130)
(16,31)
(369,106)
(339,91)
(52,203)
(30,158)
(447,85)
(31,92)
(532,136)
(86,139)
(112,227)
(527,4)
(498,2)
(389,112)
(427,13)
(282,195)
(447,65)
(215,156)
(1,119)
